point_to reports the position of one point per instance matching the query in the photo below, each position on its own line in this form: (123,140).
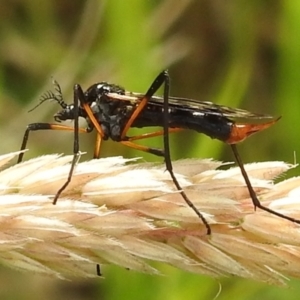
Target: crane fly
(112,111)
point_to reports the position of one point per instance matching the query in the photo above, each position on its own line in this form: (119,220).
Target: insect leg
(164,77)
(41,126)
(78,96)
(155,151)
(48,126)
(97,146)
(252,193)
(152,134)
(94,121)
(98,270)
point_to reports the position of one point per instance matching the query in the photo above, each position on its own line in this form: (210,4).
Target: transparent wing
(194,106)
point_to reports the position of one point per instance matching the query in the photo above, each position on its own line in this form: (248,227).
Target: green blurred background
(236,52)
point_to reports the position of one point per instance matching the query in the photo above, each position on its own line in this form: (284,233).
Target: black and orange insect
(112,111)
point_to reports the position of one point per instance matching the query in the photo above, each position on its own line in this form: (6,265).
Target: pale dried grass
(118,211)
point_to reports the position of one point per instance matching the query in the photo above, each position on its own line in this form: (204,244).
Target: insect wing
(215,109)
(194,106)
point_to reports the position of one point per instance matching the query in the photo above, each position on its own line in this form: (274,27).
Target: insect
(112,111)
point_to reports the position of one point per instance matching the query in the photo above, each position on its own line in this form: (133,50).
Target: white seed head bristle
(117,211)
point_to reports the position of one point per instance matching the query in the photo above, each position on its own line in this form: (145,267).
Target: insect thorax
(112,114)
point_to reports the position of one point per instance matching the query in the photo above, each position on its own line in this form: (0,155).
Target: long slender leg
(163,78)
(155,151)
(252,193)
(141,106)
(97,146)
(48,126)
(78,94)
(168,160)
(42,126)
(94,121)
(152,134)
(158,152)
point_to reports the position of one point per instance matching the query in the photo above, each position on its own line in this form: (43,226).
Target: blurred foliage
(238,53)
